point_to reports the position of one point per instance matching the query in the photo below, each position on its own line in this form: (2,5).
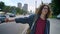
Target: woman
(42,25)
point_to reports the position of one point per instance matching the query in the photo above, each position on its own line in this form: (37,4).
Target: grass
(53,16)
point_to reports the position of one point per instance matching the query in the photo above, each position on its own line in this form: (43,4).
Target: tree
(55,7)
(19,11)
(2,5)
(7,9)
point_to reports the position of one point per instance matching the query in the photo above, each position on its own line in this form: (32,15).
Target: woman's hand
(9,20)
(6,20)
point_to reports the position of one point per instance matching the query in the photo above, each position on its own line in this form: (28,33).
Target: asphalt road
(54,26)
(13,28)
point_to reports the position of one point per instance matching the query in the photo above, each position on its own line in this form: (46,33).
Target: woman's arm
(25,19)
(9,20)
(18,20)
(21,20)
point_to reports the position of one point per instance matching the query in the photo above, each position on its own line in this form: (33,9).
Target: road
(54,26)
(13,27)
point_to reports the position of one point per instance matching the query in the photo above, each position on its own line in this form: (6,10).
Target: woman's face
(45,10)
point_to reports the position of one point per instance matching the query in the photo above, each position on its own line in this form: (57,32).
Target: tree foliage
(11,8)
(2,5)
(55,7)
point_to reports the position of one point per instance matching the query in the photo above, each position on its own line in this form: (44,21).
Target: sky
(31,3)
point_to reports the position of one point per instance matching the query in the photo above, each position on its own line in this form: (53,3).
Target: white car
(11,15)
(58,16)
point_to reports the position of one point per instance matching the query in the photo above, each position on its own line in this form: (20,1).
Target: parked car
(11,15)
(58,16)
(2,17)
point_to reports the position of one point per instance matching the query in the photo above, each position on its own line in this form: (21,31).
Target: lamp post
(35,4)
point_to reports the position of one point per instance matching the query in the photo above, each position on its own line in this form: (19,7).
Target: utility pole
(41,2)
(35,4)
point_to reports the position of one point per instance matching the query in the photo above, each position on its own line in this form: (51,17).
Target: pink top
(40,26)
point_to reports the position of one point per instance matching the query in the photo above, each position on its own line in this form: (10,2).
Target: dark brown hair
(39,10)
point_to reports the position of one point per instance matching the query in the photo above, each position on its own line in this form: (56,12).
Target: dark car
(12,15)
(2,18)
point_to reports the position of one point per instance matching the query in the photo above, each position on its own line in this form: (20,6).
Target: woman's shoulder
(32,15)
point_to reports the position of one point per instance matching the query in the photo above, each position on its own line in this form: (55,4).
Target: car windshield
(59,15)
(2,15)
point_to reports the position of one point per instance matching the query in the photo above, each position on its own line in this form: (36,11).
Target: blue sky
(31,3)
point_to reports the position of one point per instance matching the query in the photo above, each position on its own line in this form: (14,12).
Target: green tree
(55,7)
(2,5)
(19,11)
(7,9)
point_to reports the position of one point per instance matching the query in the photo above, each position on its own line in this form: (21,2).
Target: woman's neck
(42,16)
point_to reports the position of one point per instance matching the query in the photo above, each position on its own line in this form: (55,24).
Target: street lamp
(35,4)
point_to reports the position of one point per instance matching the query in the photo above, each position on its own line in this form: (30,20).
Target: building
(25,7)
(20,5)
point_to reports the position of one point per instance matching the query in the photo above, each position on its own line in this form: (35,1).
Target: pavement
(54,26)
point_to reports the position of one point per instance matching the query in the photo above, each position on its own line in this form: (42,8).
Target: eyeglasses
(45,8)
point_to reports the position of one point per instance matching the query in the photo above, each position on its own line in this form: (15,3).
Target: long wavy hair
(39,10)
